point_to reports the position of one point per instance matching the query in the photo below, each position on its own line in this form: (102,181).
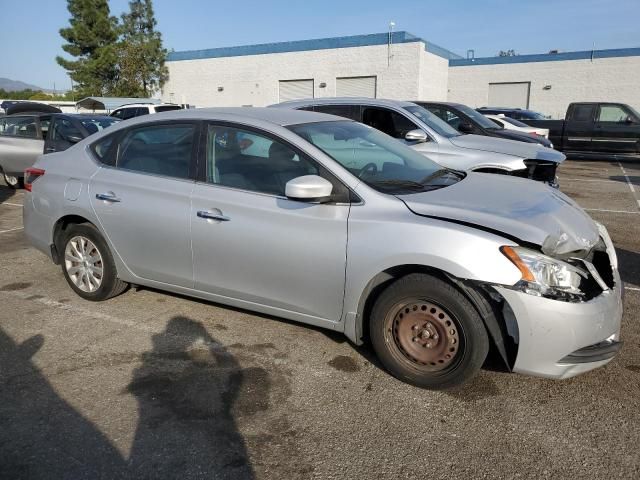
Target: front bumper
(551,333)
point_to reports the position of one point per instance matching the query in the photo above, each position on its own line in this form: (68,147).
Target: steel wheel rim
(424,334)
(83,264)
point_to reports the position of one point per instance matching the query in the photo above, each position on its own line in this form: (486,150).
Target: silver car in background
(425,132)
(329,222)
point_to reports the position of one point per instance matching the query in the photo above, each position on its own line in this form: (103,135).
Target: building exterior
(398,66)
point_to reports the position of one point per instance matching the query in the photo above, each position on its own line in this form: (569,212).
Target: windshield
(94,125)
(477,117)
(377,159)
(432,121)
(514,122)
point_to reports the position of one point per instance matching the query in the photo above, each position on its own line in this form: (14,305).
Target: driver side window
(246,160)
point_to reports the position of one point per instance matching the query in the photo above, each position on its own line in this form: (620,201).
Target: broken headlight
(545,276)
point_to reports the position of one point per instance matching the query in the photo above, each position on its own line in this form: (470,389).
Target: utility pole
(389,54)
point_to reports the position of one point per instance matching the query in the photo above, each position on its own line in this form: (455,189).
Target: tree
(507,53)
(91,39)
(141,57)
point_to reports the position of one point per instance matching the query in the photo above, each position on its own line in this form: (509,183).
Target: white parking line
(610,211)
(11,230)
(633,289)
(585,179)
(631,187)
(12,204)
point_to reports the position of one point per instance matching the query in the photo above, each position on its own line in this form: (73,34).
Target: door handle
(213,216)
(108,197)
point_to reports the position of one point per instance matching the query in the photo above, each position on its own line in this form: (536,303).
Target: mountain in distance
(9,85)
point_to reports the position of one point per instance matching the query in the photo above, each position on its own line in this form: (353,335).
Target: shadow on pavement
(629,266)
(187,391)
(6,193)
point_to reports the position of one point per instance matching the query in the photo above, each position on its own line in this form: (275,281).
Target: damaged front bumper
(558,339)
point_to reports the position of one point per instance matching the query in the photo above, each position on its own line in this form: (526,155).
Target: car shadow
(629,266)
(6,193)
(187,389)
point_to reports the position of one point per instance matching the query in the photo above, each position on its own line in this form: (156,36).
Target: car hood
(510,147)
(520,209)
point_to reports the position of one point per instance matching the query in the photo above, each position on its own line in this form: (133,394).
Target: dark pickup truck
(595,129)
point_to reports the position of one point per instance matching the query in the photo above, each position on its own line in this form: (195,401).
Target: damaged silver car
(332,223)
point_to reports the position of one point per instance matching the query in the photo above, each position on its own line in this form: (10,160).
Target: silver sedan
(329,222)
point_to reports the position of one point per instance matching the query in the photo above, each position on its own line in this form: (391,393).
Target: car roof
(147,104)
(278,116)
(381,102)
(448,104)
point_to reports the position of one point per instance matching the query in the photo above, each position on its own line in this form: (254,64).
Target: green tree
(91,39)
(141,57)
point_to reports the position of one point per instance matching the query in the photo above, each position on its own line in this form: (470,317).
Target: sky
(29,38)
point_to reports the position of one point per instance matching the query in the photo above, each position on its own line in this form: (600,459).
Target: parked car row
(345,222)
(436,137)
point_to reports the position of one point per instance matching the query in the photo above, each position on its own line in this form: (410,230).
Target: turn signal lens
(511,254)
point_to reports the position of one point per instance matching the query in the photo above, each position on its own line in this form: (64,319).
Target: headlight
(545,276)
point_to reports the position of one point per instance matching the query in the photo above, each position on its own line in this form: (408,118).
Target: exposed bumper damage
(562,338)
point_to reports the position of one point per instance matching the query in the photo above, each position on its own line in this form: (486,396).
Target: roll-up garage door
(356,87)
(295,89)
(512,95)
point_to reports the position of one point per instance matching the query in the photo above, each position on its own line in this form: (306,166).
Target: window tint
(118,114)
(158,149)
(447,115)
(582,113)
(94,125)
(243,159)
(65,130)
(388,121)
(19,126)
(612,113)
(102,149)
(346,111)
(167,108)
(45,125)
(141,111)
(127,113)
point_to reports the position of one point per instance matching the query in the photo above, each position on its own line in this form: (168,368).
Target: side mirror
(308,188)
(416,135)
(465,127)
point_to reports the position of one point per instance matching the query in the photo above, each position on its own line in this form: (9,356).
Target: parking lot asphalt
(153,385)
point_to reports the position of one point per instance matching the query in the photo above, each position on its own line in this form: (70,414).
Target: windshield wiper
(399,183)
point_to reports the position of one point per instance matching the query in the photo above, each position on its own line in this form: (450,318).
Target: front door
(143,201)
(253,244)
(578,130)
(617,130)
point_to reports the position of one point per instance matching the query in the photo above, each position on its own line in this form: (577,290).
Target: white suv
(137,109)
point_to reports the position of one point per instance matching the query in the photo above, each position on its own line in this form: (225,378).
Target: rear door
(20,143)
(617,130)
(579,127)
(142,199)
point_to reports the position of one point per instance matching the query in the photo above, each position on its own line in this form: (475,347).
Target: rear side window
(582,113)
(103,149)
(347,111)
(167,108)
(158,149)
(18,127)
(141,111)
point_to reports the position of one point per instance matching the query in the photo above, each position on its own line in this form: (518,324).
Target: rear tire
(427,333)
(88,265)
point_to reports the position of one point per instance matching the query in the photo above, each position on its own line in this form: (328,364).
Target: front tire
(427,333)
(87,264)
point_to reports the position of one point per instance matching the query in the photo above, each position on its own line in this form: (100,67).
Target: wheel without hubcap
(11,180)
(83,262)
(425,334)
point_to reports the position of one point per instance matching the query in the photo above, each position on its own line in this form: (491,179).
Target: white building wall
(253,79)
(604,79)
(434,77)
